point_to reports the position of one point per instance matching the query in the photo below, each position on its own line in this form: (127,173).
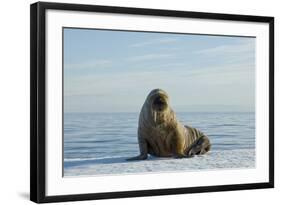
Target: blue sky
(113,71)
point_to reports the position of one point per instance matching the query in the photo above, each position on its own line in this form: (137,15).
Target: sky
(113,71)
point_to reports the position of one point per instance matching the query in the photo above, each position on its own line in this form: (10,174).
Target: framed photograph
(129,102)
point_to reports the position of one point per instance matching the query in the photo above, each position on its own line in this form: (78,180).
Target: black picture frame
(38,100)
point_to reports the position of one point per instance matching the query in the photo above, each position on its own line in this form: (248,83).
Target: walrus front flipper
(143,150)
(200,146)
(140,157)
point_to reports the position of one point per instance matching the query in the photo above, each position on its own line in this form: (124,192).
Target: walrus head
(158,102)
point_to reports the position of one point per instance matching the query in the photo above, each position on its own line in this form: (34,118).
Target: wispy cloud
(152,56)
(154,42)
(223,49)
(99,84)
(211,85)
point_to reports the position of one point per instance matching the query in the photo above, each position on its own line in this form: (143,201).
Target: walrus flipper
(143,150)
(140,157)
(200,146)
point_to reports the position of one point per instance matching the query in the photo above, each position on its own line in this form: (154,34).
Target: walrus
(160,134)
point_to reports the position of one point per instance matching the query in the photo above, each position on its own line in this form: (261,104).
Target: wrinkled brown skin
(161,134)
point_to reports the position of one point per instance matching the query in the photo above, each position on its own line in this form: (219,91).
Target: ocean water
(99,143)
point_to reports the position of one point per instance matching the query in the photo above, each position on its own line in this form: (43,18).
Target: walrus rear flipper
(200,146)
